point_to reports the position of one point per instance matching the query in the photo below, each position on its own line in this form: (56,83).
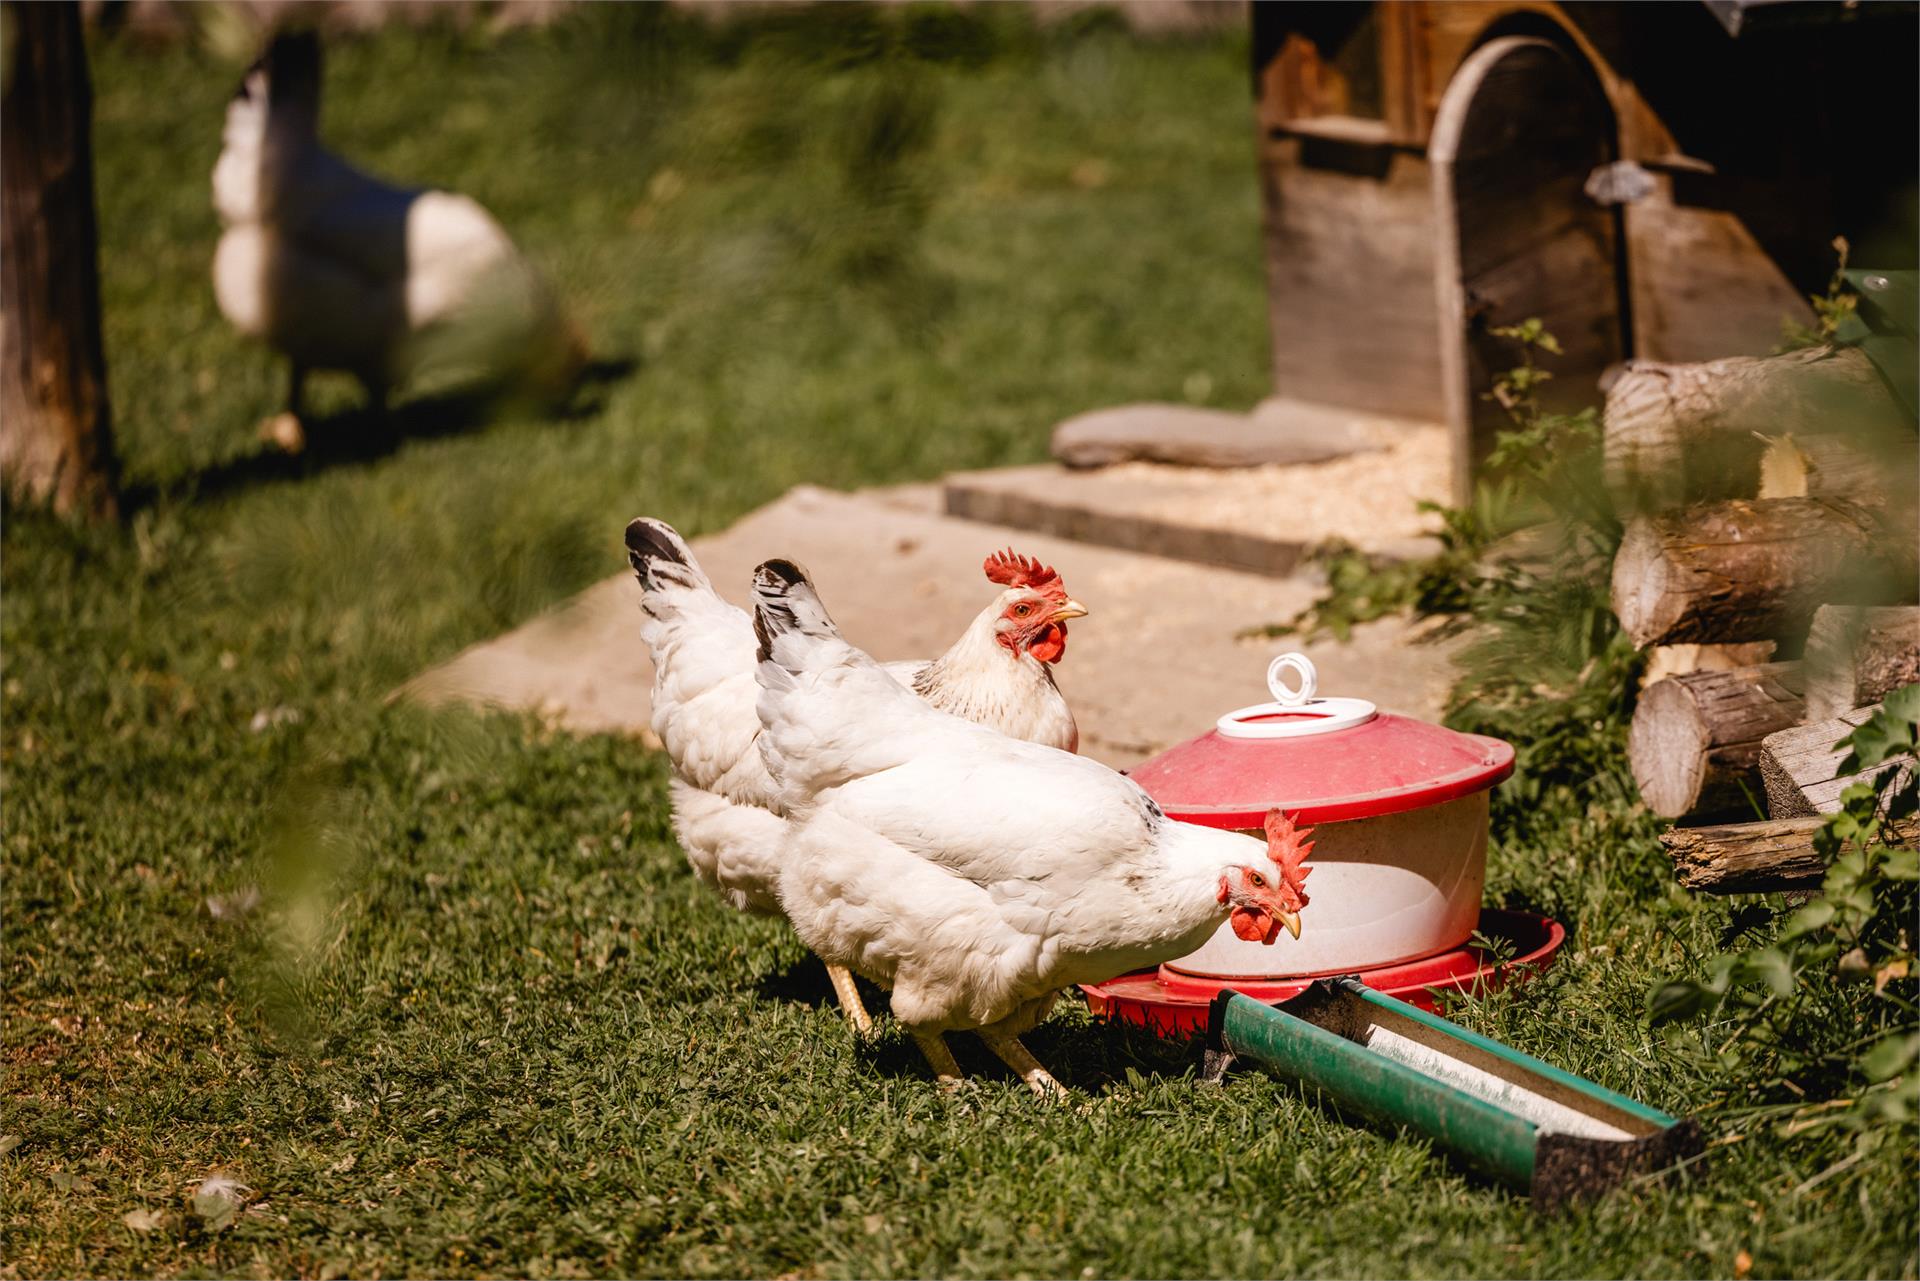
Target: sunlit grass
(481,1019)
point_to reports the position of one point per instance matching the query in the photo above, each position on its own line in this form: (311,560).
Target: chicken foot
(946,1072)
(850,1003)
(1021,1060)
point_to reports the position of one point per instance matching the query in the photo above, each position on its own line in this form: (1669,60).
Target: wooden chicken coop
(1651,180)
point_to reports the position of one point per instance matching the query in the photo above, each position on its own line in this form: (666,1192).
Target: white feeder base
(1383,890)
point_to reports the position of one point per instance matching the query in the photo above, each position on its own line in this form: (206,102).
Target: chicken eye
(1258,881)
(1021,611)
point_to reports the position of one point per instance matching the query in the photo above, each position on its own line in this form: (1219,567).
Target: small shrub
(1822,1019)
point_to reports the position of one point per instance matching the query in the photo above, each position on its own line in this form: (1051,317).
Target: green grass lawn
(482,1019)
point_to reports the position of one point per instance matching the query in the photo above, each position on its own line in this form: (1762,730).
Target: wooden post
(1695,740)
(56,444)
(1741,570)
(1859,656)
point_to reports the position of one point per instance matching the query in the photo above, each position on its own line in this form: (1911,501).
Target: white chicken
(725,808)
(973,874)
(339,270)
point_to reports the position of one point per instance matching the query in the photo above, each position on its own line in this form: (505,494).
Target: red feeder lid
(1323,760)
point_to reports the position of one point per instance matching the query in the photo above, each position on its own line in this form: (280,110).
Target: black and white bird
(339,270)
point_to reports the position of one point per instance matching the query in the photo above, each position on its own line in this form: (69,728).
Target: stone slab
(1155,662)
(1191,437)
(1262,519)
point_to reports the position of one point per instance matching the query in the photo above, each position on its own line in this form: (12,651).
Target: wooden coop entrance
(1518,131)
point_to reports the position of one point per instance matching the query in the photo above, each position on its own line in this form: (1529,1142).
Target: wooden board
(1703,286)
(1350,276)
(1800,767)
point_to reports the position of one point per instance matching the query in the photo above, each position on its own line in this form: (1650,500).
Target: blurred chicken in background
(339,270)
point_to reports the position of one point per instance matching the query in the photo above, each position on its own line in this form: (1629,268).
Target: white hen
(973,874)
(339,270)
(725,807)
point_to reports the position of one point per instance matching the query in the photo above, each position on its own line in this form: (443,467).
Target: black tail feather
(784,600)
(660,557)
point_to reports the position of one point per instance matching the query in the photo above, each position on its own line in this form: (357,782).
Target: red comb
(1010,569)
(1288,847)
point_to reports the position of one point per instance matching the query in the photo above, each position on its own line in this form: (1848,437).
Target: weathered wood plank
(1800,766)
(1519,130)
(1350,275)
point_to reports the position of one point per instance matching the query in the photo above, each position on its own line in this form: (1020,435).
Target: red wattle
(1252,924)
(1051,643)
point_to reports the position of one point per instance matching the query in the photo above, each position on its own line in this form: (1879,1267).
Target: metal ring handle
(1282,693)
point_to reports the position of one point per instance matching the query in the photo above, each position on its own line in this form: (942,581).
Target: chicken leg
(287,429)
(850,1002)
(1021,1060)
(946,1072)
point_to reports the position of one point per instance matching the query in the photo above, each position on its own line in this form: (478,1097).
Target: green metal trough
(1529,1124)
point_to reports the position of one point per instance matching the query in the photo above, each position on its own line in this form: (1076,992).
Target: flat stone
(1156,661)
(1263,520)
(1190,437)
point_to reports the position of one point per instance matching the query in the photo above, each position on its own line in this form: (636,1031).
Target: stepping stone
(1190,437)
(1262,520)
(1157,660)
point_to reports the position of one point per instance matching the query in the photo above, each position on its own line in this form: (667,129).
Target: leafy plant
(1523,571)
(1363,586)
(1825,1014)
(1830,310)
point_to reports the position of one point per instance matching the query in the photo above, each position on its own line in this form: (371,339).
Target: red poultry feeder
(1398,809)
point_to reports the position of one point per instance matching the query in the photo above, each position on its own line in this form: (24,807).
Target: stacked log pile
(1777,501)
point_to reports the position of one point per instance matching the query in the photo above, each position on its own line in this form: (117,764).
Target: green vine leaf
(1890,1056)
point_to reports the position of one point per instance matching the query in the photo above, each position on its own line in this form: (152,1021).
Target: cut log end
(1667,749)
(1694,744)
(1647,609)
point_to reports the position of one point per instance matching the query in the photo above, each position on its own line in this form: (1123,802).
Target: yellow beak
(1291,920)
(1072,609)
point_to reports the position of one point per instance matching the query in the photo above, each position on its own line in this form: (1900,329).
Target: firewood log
(1747,858)
(1754,858)
(1856,656)
(1680,433)
(1694,744)
(1749,570)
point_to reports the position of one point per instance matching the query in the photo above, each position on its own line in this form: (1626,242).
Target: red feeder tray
(1175,1004)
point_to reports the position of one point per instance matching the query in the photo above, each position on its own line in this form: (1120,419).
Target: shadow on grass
(364,435)
(1087,1055)
(805,983)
